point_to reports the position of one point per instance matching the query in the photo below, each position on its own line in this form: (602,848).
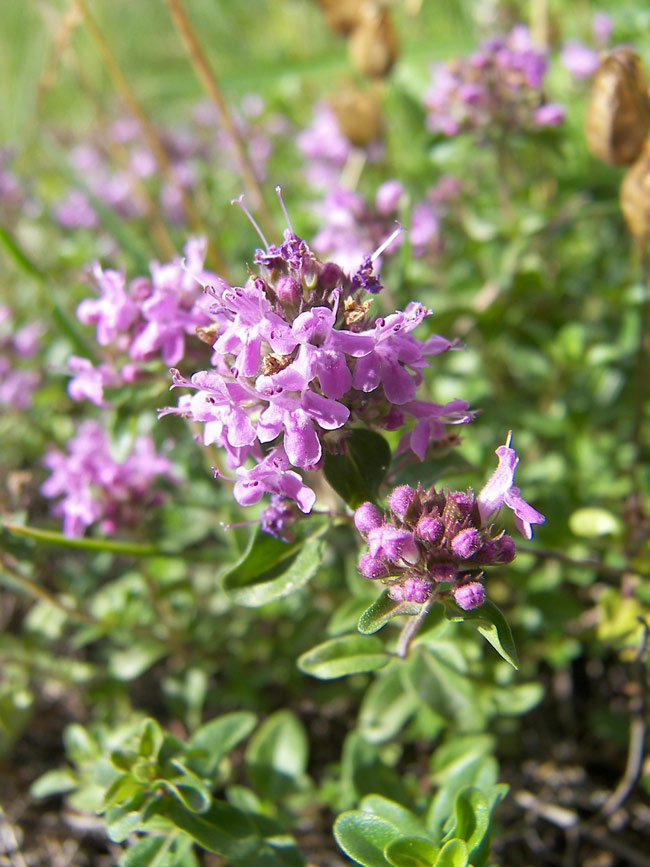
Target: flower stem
(148,130)
(36,591)
(208,79)
(412,628)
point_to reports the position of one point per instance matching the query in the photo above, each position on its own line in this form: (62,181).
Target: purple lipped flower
(501,490)
(392,543)
(95,487)
(88,382)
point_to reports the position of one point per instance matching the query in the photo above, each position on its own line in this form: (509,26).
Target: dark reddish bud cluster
(430,542)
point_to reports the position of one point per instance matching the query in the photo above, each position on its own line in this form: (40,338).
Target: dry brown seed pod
(373,45)
(343,15)
(358,113)
(618,115)
(635,195)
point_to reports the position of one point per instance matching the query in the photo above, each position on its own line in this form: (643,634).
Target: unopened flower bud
(442,572)
(416,589)
(288,290)
(463,501)
(331,275)
(470,595)
(400,499)
(466,543)
(430,529)
(367,517)
(497,551)
(372,567)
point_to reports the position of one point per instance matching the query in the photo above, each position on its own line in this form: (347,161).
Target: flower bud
(470,595)
(400,499)
(442,572)
(466,543)
(372,567)
(430,529)
(367,517)
(416,589)
(497,551)
(288,290)
(464,501)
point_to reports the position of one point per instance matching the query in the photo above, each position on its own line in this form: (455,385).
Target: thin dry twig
(636,743)
(208,79)
(148,130)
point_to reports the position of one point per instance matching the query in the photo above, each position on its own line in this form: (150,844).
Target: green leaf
(276,756)
(190,793)
(122,820)
(356,476)
(453,854)
(144,852)
(215,739)
(408,823)
(473,812)
(56,782)
(493,626)
(131,663)
(271,569)
(411,852)
(150,740)
(348,654)
(464,760)
(365,774)
(223,830)
(382,610)
(433,677)
(364,837)
(591,522)
(386,707)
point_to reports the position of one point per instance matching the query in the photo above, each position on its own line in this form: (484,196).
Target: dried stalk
(206,76)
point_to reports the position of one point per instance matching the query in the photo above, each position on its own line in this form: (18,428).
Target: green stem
(412,628)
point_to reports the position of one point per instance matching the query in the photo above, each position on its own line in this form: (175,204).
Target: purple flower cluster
(437,543)
(326,150)
(115,168)
(297,358)
(150,318)
(18,380)
(95,487)
(499,86)
(352,225)
(582,60)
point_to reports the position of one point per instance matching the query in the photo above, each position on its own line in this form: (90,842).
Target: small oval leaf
(348,654)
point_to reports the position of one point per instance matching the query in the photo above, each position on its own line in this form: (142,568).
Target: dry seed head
(373,44)
(343,15)
(618,116)
(635,195)
(358,114)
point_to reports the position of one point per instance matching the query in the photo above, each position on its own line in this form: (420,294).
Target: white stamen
(387,242)
(508,439)
(240,202)
(278,191)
